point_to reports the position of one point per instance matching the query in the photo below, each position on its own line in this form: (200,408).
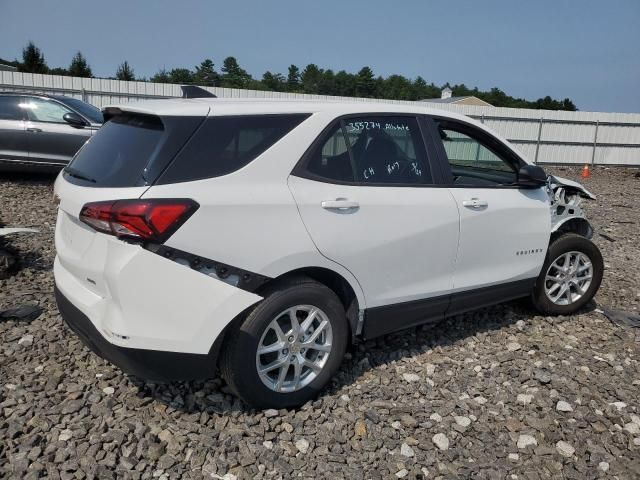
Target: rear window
(130,150)
(225,144)
(10,108)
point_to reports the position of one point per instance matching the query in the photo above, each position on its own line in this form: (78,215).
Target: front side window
(372,150)
(10,108)
(474,159)
(40,110)
(89,111)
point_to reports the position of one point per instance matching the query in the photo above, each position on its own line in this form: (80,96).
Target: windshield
(89,111)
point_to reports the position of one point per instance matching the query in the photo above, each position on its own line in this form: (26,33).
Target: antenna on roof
(191,91)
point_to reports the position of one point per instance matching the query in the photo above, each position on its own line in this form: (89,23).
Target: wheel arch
(346,292)
(577,225)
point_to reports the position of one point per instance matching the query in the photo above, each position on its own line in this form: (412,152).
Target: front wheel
(288,348)
(570,277)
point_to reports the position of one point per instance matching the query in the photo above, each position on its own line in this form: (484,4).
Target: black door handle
(34,129)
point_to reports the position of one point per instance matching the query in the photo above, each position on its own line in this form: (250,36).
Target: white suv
(263,237)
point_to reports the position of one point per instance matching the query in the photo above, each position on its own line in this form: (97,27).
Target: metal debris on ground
(23,312)
(620,318)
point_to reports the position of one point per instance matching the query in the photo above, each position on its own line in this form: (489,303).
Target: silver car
(43,132)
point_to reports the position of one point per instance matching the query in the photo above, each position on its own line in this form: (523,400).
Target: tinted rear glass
(119,151)
(130,150)
(225,144)
(10,109)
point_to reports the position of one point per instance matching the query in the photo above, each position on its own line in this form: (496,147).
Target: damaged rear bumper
(152,365)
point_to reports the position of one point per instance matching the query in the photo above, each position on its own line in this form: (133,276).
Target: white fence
(544,136)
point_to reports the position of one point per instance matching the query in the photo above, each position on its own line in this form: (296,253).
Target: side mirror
(532,176)
(74,120)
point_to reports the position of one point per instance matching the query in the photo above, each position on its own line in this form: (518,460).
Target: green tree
(293,78)
(397,87)
(274,81)
(206,74)
(125,72)
(161,77)
(79,66)
(311,78)
(58,71)
(365,83)
(33,60)
(181,75)
(232,75)
(344,84)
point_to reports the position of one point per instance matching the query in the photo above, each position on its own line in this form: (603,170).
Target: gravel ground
(499,393)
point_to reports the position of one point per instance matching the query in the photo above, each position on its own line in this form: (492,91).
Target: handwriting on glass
(359,126)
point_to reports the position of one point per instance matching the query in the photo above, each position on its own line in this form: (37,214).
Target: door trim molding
(386,319)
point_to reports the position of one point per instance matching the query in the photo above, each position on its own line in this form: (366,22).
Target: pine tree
(79,66)
(161,77)
(293,79)
(206,74)
(33,60)
(125,72)
(311,79)
(181,75)
(273,81)
(365,83)
(232,75)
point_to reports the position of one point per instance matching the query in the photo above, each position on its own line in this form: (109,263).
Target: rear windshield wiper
(77,174)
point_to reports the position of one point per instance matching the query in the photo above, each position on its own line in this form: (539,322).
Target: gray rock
(411,377)
(302,445)
(563,406)
(525,441)
(407,451)
(565,449)
(441,441)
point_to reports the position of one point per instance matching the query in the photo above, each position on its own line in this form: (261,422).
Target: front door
(365,194)
(52,141)
(504,229)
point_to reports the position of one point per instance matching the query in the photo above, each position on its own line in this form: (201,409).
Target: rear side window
(227,143)
(10,108)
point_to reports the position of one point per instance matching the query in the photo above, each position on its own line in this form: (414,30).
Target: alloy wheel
(568,278)
(294,348)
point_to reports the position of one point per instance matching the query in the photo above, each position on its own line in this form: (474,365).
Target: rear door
(504,228)
(13,139)
(366,195)
(52,141)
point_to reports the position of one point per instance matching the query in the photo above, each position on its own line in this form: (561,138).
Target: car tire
(584,259)
(240,360)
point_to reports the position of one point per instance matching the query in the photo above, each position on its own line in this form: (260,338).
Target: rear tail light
(153,220)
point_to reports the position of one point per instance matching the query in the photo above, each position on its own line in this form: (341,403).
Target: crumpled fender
(566,213)
(571,185)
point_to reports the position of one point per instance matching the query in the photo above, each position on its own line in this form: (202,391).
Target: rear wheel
(570,277)
(287,349)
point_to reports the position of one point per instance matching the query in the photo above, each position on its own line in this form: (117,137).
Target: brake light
(153,220)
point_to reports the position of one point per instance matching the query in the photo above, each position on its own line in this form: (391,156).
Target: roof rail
(191,91)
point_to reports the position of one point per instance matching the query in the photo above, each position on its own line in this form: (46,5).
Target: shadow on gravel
(212,396)
(38,178)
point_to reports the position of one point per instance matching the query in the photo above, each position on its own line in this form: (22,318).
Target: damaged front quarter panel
(566,211)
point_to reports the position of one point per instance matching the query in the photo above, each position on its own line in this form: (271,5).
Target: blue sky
(586,50)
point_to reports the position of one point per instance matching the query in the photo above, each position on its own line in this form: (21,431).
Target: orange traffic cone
(585,172)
